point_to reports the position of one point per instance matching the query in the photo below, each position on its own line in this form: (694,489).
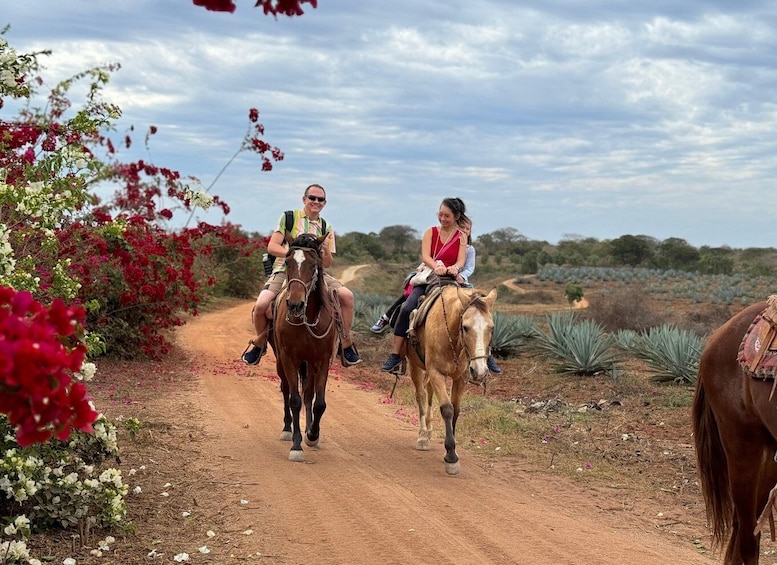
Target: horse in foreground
(452,341)
(303,339)
(735,426)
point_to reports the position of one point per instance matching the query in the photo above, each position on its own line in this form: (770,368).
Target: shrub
(63,484)
(626,308)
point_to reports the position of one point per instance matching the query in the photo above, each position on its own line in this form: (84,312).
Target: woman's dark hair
(457,206)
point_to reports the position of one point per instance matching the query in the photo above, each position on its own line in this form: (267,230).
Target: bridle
(309,288)
(470,358)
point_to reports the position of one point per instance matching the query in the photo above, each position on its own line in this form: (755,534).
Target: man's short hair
(314,186)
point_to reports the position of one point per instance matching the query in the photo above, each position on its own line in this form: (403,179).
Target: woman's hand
(453,271)
(440,269)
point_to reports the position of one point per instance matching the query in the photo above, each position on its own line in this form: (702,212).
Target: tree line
(507,246)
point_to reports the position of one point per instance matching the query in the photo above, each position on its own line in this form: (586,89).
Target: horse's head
(477,325)
(304,272)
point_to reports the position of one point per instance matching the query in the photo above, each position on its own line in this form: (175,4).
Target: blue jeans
(411,302)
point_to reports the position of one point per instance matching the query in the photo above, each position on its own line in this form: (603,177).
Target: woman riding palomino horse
(303,338)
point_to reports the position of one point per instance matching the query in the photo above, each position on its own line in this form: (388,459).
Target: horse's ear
(463,296)
(491,299)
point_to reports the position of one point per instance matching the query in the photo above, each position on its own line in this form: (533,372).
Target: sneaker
(381,325)
(392,364)
(492,366)
(253,354)
(351,356)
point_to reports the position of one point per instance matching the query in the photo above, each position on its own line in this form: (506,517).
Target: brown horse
(735,426)
(303,339)
(453,341)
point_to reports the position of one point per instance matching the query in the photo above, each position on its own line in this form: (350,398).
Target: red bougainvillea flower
(274,7)
(39,353)
(216,5)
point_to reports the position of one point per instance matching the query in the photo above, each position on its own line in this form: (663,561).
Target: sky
(560,119)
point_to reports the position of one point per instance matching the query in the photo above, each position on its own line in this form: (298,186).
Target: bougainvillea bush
(80,277)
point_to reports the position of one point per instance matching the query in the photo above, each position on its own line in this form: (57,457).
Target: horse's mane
(307,241)
(476,301)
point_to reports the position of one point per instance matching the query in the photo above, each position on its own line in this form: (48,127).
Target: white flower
(96,553)
(210,533)
(137,490)
(243,501)
(204,549)
(186,513)
(87,372)
(165,494)
(68,561)
(248,532)
(181,557)
(199,198)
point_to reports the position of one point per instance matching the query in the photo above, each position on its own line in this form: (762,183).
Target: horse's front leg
(295,402)
(424,433)
(318,375)
(448,413)
(286,433)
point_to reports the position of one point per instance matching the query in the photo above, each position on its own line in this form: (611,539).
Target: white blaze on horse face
(480,329)
(299,257)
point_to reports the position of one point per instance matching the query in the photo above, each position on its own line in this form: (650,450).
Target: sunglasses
(316,198)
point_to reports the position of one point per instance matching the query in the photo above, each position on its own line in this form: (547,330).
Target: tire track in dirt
(366,495)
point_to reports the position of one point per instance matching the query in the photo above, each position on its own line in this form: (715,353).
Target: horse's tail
(713,466)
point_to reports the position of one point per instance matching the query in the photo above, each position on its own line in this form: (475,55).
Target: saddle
(418,316)
(758,350)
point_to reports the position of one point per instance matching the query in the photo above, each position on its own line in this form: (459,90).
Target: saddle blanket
(758,350)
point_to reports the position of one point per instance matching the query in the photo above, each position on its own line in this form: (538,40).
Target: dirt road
(367,496)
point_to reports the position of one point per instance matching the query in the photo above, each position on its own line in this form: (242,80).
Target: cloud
(551,117)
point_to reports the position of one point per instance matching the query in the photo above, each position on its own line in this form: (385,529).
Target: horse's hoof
(311,443)
(452,468)
(423,444)
(285,436)
(296,456)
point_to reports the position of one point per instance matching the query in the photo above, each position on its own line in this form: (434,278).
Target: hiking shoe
(392,364)
(492,366)
(253,354)
(381,325)
(351,356)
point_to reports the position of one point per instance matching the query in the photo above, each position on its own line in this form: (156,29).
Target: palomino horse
(303,339)
(734,426)
(453,341)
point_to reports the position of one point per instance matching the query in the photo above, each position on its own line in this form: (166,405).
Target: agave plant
(579,348)
(673,352)
(626,339)
(511,333)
